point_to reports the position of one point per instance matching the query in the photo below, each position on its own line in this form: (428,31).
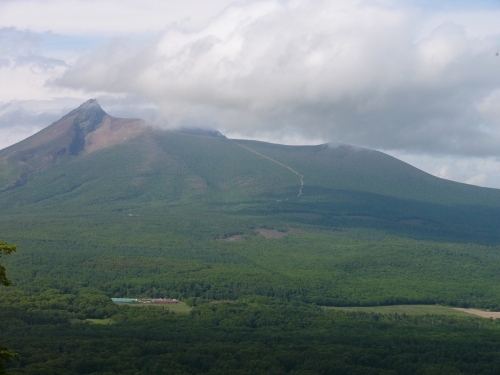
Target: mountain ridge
(206,163)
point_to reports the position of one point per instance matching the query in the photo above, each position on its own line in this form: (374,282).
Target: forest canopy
(5,249)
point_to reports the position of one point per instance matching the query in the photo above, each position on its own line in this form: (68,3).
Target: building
(124,300)
(158,300)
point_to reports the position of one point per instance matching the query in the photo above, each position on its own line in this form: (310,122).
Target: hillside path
(301,176)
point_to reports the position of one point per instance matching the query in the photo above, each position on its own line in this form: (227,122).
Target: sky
(419,80)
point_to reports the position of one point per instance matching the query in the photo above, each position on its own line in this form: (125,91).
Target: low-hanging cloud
(352,71)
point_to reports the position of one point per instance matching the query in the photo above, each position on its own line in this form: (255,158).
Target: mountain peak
(90,104)
(87,118)
(85,129)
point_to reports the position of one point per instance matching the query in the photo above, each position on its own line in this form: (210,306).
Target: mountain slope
(155,166)
(85,129)
(352,168)
(89,160)
(162,212)
(214,163)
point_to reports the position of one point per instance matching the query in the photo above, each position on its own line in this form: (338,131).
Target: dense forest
(254,300)
(247,336)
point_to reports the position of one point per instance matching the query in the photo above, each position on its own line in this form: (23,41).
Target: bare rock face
(89,117)
(85,129)
(113,131)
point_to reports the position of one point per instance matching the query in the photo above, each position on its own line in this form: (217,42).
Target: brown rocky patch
(271,233)
(113,131)
(235,238)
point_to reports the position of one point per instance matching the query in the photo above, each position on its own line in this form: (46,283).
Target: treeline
(350,267)
(250,336)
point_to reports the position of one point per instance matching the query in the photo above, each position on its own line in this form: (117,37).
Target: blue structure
(124,300)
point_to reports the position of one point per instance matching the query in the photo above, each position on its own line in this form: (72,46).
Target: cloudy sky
(415,79)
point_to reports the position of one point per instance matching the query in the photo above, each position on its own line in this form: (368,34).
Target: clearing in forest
(235,238)
(178,308)
(405,309)
(481,313)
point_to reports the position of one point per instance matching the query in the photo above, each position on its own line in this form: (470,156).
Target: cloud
(479,179)
(110,17)
(482,171)
(352,71)
(19,42)
(26,64)
(417,79)
(131,106)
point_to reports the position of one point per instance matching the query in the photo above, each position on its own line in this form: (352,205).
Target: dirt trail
(277,162)
(484,314)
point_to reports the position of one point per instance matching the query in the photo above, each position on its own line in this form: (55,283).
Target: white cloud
(484,171)
(391,75)
(25,68)
(445,44)
(110,17)
(479,179)
(477,23)
(25,82)
(347,71)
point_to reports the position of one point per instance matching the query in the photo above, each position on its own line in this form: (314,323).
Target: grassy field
(177,308)
(104,322)
(405,309)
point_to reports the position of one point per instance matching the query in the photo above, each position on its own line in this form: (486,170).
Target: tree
(5,355)
(5,249)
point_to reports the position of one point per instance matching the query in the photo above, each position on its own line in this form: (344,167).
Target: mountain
(253,237)
(91,159)
(100,202)
(84,130)
(205,161)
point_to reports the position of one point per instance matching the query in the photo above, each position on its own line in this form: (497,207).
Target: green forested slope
(342,186)
(168,199)
(158,167)
(344,167)
(171,167)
